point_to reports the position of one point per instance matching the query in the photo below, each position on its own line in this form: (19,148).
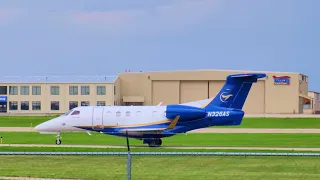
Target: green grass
(134,149)
(161,167)
(32,121)
(23,121)
(203,139)
(286,123)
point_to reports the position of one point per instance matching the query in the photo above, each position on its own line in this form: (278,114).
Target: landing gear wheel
(155,143)
(58,141)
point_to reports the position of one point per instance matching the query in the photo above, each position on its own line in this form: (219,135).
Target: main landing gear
(154,142)
(58,140)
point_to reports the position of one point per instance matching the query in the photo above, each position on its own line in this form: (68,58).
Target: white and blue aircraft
(151,123)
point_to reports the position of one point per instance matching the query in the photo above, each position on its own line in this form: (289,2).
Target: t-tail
(235,91)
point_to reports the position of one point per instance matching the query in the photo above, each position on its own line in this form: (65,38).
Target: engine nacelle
(186,113)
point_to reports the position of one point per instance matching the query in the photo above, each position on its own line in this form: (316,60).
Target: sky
(91,37)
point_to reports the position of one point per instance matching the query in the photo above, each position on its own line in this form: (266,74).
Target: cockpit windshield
(67,113)
(75,113)
(72,112)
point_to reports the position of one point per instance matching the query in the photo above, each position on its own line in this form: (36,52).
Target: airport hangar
(278,93)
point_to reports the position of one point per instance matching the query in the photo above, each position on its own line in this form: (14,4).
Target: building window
(73,104)
(84,103)
(24,90)
(101,90)
(114,90)
(25,105)
(101,103)
(55,105)
(85,90)
(55,90)
(73,90)
(3,90)
(306,106)
(36,105)
(13,90)
(13,105)
(36,90)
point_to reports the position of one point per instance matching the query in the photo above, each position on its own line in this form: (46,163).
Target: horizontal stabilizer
(248,75)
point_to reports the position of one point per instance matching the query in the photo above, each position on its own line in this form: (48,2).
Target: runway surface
(163,147)
(204,130)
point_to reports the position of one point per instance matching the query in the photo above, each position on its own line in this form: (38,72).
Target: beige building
(280,92)
(313,107)
(56,95)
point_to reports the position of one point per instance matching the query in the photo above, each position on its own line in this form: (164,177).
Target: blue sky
(90,37)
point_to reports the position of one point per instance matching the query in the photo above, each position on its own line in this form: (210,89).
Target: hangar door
(255,101)
(193,91)
(166,92)
(215,87)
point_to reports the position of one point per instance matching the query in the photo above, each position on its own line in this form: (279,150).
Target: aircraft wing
(171,126)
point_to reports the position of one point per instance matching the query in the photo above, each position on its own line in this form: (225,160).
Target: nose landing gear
(58,140)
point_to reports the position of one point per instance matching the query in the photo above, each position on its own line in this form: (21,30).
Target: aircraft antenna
(128,159)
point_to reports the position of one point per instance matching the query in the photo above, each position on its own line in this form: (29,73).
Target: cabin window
(128,113)
(75,113)
(109,113)
(154,113)
(138,113)
(118,113)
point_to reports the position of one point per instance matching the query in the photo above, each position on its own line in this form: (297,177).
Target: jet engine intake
(186,113)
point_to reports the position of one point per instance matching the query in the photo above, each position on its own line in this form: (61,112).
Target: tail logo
(224,98)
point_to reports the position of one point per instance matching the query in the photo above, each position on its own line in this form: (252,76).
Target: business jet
(152,123)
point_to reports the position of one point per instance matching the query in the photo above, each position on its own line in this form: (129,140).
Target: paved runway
(166,147)
(204,130)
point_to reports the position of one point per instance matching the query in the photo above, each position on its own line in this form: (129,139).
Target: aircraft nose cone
(39,127)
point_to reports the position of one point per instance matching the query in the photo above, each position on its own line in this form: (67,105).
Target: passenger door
(97,118)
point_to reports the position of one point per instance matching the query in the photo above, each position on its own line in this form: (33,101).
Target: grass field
(203,139)
(32,121)
(161,167)
(283,123)
(23,121)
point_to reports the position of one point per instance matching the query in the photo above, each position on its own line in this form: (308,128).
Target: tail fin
(235,91)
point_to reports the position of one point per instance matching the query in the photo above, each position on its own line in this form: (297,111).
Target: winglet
(173,123)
